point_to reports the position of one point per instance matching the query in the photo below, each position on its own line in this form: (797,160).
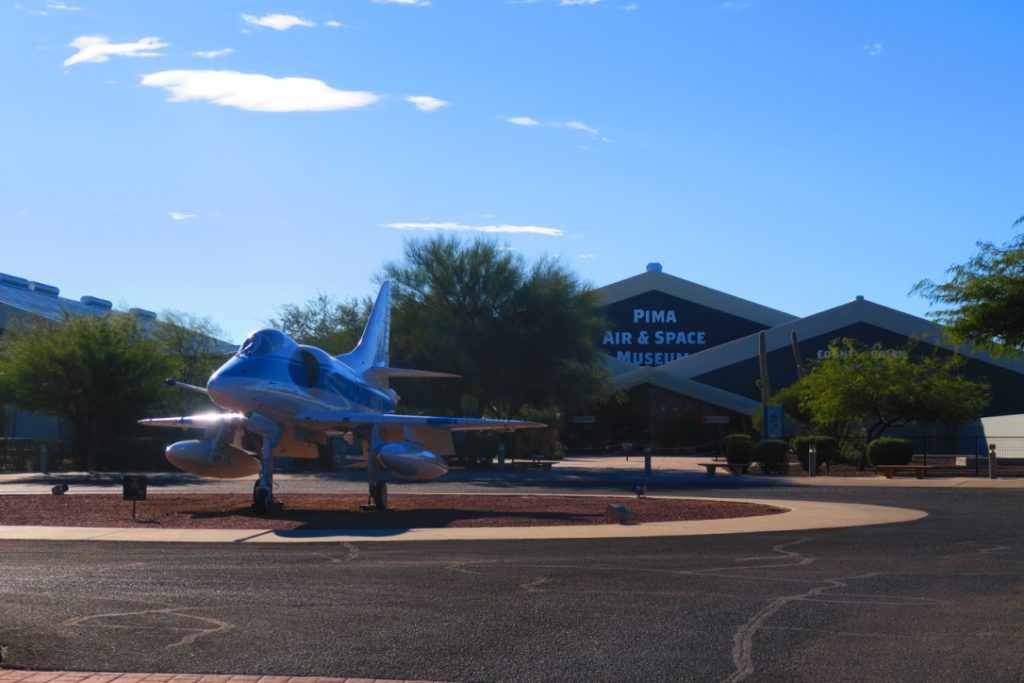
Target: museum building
(684,361)
(23,301)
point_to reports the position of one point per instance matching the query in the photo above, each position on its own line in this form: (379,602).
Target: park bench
(890,470)
(737,469)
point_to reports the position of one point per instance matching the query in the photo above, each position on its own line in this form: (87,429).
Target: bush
(888,450)
(738,449)
(773,456)
(828,450)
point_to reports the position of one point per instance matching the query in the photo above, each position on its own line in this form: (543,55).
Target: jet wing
(343,422)
(197,421)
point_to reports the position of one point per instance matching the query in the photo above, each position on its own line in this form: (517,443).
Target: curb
(799,515)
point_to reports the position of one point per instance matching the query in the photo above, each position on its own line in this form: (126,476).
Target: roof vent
(143,313)
(13,281)
(46,290)
(96,302)
(653,267)
(860,297)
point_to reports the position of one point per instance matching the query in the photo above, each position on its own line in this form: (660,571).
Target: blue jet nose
(226,385)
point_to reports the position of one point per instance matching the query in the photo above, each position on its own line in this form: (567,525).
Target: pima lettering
(651,316)
(649,357)
(679,337)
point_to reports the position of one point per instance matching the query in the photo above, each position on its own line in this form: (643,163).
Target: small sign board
(714,419)
(134,487)
(583,419)
(773,422)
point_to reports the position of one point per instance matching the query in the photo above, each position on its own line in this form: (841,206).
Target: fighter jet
(282,398)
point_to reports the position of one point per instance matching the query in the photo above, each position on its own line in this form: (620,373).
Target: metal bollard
(647,461)
(992,461)
(812,459)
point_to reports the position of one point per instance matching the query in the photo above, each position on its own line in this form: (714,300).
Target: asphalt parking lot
(934,599)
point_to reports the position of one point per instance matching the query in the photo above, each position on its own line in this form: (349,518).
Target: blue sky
(225,158)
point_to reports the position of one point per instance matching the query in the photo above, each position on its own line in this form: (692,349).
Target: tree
(984,298)
(190,345)
(324,321)
(96,372)
(522,337)
(879,389)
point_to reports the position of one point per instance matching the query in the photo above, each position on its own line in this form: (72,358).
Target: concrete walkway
(799,515)
(618,470)
(26,676)
(614,470)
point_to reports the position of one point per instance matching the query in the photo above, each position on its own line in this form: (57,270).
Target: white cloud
(487,229)
(522,121)
(579,2)
(60,6)
(33,12)
(631,7)
(213,54)
(333,24)
(175,216)
(519,230)
(256,92)
(426,103)
(577,125)
(736,5)
(523,2)
(873,49)
(587,256)
(410,3)
(98,49)
(279,22)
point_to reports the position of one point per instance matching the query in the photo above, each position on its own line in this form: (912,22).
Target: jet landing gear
(263,502)
(378,496)
(378,489)
(262,499)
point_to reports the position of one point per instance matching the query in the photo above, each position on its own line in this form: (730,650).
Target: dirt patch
(321,511)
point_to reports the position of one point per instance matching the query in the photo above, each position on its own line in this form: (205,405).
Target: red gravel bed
(321,511)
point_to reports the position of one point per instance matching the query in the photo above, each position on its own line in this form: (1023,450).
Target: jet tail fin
(373,348)
(370,356)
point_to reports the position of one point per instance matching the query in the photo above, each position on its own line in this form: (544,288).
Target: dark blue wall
(738,378)
(641,331)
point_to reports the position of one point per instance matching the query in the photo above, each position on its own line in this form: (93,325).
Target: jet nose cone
(214,387)
(223,390)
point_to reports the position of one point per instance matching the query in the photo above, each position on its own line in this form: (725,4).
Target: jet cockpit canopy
(266,342)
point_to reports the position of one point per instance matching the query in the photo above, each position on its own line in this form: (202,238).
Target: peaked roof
(691,291)
(20,299)
(859,310)
(678,375)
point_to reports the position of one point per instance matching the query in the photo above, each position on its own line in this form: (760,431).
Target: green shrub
(828,450)
(738,449)
(773,456)
(888,450)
